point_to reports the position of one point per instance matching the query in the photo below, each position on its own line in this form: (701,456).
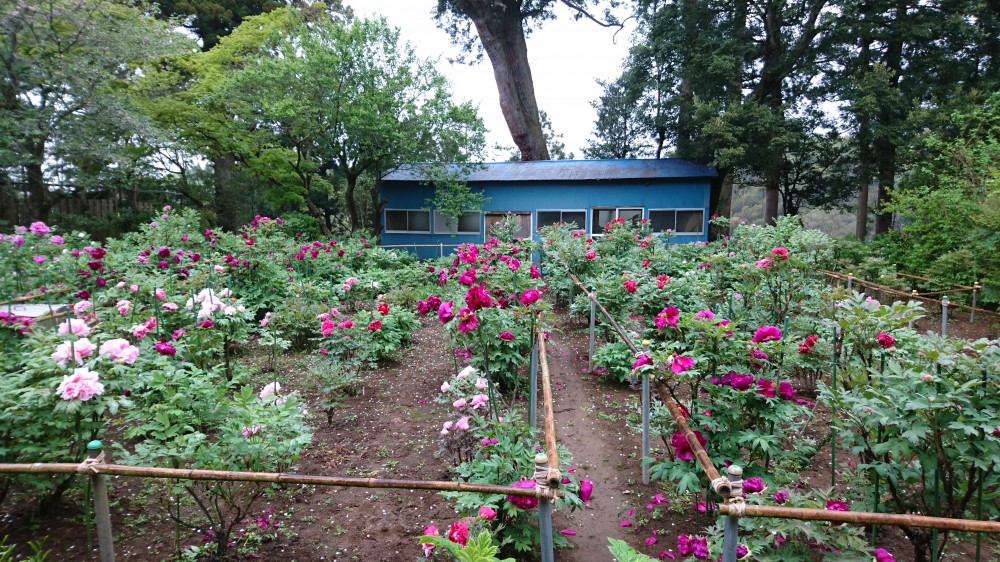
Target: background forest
(885,111)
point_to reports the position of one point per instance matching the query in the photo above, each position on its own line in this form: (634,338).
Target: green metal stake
(833,417)
(937,513)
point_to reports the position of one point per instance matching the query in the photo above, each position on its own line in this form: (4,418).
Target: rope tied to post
(89,465)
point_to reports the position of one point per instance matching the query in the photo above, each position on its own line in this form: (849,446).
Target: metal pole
(105,542)
(441,250)
(590,344)
(645,418)
(731,526)
(937,512)
(850,281)
(979,515)
(913,295)
(944,316)
(833,427)
(975,290)
(545,515)
(533,391)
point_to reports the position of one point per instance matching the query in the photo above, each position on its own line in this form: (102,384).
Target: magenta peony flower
(766,388)
(523,502)
(754,485)
(39,228)
(766,333)
(535,273)
(705,314)
(837,505)
(488,513)
(445,312)
(374,325)
(887,342)
(641,360)
(506,335)
(468,277)
(682,449)
(680,363)
(458,533)
(667,317)
(780,497)
(164,348)
(786,391)
(568,532)
(586,489)
(883,555)
(477,297)
(691,545)
(467,320)
(529,297)
(780,253)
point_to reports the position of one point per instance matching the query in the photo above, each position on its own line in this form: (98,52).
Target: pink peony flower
(76,351)
(766,333)
(568,532)
(39,228)
(267,318)
(590,255)
(487,513)
(780,253)
(374,325)
(630,286)
(764,263)
(462,423)
(461,402)
(704,314)
(120,351)
(479,401)
(445,387)
(506,335)
(83,384)
(269,389)
(74,326)
(82,307)
(169,306)
(481,383)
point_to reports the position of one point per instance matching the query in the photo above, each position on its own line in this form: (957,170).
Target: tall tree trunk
(352,205)
(886,180)
(889,117)
(502,35)
(225,210)
(864,129)
(41,202)
(861,216)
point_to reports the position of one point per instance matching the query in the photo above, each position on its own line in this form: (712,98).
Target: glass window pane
(546,218)
(579,218)
(443,224)
(395,220)
(469,223)
(661,221)
(690,221)
(630,215)
(601,217)
(419,221)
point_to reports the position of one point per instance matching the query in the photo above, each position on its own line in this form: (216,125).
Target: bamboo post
(552,453)
(975,293)
(533,390)
(105,541)
(731,526)
(862,518)
(645,418)
(944,316)
(544,515)
(590,342)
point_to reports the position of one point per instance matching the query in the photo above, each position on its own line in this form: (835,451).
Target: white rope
(737,507)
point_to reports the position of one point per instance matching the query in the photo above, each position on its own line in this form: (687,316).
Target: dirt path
(591,422)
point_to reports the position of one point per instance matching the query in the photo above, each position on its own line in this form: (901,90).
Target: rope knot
(89,465)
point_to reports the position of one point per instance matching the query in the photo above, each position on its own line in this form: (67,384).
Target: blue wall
(550,195)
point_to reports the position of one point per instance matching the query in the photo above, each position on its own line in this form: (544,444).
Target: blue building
(672,194)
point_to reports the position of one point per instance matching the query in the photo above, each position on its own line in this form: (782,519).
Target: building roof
(571,170)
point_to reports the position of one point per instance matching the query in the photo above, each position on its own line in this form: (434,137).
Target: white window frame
(617,208)
(385,222)
(582,227)
(675,209)
(444,222)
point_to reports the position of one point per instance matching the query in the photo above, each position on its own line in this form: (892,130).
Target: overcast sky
(566,58)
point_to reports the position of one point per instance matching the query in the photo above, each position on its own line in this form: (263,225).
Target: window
(678,221)
(403,220)
(601,216)
(468,223)
(575,216)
